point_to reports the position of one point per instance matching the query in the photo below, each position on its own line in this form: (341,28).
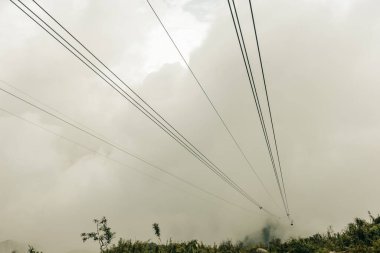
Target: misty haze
(189,126)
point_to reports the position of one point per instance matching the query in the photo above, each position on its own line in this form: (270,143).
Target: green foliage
(359,236)
(102,235)
(156,229)
(193,246)
(32,250)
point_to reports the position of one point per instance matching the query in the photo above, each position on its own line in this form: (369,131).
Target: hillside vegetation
(360,236)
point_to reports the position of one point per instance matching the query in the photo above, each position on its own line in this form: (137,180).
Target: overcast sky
(321,60)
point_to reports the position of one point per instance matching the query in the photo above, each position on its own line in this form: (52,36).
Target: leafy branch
(102,235)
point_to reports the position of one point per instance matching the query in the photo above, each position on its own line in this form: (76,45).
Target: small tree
(156,229)
(103,234)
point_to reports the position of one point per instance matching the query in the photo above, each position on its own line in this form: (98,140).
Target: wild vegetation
(360,236)
(102,235)
(30,250)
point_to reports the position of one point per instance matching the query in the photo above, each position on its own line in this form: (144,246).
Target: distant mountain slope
(10,246)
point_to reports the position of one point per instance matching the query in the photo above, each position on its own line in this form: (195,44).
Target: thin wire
(258,106)
(254,91)
(210,101)
(121,149)
(123,164)
(199,156)
(125,95)
(45,105)
(101,62)
(268,103)
(122,92)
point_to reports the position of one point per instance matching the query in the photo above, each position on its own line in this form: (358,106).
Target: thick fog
(321,63)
